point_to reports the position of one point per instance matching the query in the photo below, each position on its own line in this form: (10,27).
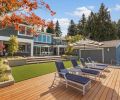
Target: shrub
(4,77)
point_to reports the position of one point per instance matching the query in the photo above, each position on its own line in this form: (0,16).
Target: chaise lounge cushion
(74,62)
(76,78)
(90,71)
(102,65)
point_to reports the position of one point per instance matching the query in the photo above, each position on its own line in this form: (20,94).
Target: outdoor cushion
(64,71)
(74,62)
(94,72)
(78,79)
(59,65)
(97,68)
(102,65)
(97,64)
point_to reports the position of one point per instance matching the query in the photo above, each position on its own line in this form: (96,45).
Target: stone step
(33,62)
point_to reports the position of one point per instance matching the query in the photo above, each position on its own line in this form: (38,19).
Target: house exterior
(25,40)
(47,44)
(108,53)
(29,45)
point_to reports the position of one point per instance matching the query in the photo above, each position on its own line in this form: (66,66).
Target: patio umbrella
(88,45)
(83,44)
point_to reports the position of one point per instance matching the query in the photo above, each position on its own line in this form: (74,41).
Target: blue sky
(73,9)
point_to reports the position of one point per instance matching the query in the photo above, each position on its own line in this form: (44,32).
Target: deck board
(108,88)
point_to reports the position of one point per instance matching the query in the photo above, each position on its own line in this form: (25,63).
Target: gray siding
(11,31)
(96,55)
(109,54)
(118,55)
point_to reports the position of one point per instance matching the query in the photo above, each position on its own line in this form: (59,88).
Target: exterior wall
(11,31)
(7,32)
(109,55)
(46,44)
(96,55)
(118,55)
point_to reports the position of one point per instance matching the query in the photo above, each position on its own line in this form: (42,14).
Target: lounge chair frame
(88,74)
(94,68)
(65,81)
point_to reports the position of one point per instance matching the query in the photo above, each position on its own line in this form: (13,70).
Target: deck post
(103,55)
(31,49)
(58,51)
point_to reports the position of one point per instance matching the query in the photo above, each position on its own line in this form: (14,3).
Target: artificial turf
(24,72)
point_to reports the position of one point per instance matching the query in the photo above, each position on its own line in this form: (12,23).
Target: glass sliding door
(37,50)
(42,51)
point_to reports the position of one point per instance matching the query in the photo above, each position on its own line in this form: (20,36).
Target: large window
(25,30)
(35,39)
(42,38)
(22,30)
(48,39)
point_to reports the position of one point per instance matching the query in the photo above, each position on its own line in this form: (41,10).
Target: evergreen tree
(89,28)
(58,30)
(50,28)
(81,26)
(118,28)
(72,29)
(104,28)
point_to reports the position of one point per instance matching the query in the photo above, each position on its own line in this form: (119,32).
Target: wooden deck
(38,89)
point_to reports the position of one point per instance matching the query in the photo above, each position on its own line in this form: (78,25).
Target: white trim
(42,45)
(26,25)
(64,46)
(24,35)
(5,38)
(25,31)
(103,59)
(80,53)
(32,45)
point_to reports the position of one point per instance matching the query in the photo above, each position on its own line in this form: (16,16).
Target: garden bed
(6,77)
(8,81)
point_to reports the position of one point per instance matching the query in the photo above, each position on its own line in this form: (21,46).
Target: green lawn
(21,73)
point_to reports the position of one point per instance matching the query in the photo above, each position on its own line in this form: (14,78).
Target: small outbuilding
(108,52)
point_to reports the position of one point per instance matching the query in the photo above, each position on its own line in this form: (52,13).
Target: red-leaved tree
(14,12)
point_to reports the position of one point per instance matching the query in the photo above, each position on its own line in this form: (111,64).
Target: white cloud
(64,23)
(81,10)
(109,9)
(117,7)
(91,7)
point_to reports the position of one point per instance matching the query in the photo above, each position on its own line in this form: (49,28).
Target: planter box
(7,83)
(17,62)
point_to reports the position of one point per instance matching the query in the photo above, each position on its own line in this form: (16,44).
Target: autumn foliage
(14,12)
